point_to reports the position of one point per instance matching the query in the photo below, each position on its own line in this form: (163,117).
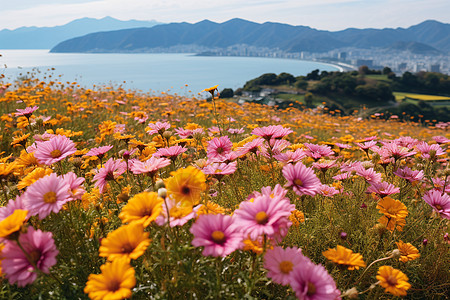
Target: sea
(154,73)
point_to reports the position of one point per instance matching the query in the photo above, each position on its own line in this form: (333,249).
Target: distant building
(342,55)
(435,68)
(364,62)
(402,66)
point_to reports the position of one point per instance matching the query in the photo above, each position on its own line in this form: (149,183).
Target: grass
(399,96)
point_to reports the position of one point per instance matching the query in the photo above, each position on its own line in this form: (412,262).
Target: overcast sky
(320,14)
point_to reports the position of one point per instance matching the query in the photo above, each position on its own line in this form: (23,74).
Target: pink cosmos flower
(382,189)
(11,206)
(430,151)
(406,141)
(252,146)
(318,151)
(368,174)
(280,263)
(366,145)
(39,246)
(343,146)
(183,133)
(441,184)
(218,148)
(110,171)
(99,151)
(342,176)
(46,195)
(278,193)
(170,152)
(408,174)
(396,151)
(441,139)
(236,130)
(220,169)
(158,127)
(217,234)
(327,191)
(54,150)
(302,179)
(142,119)
(272,132)
(324,165)
(276,147)
(76,189)
(439,202)
(43,137)
(175,219)
(290,156)
(265,215)
(312,282)
(27,112)
(150,166)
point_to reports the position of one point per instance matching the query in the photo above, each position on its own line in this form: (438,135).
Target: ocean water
(185,74)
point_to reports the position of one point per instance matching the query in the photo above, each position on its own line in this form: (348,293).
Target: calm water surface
(149,71)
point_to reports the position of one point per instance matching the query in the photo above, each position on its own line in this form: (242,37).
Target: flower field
(112,194)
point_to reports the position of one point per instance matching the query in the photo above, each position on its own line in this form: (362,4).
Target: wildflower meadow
(109,193)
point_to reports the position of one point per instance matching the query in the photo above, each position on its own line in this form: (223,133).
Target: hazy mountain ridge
(270,35)
(48,37)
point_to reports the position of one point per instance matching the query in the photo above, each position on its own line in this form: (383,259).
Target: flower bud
(351,293)
(159,184)
(162,192)
(396,253)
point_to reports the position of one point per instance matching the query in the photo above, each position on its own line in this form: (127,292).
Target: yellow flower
(408,251)
(346,257)
(394,212)
(13,223)
(6,169)
(394,281)
(143,208)
(211,89)
(211,208)
(33,176)
(127,241)
(26,160)
(20,140)
(186,185)
(115,282)
(297,217)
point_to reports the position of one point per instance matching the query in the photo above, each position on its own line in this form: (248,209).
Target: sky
(330,15)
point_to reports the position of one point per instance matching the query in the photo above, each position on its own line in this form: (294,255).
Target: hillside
(267,35)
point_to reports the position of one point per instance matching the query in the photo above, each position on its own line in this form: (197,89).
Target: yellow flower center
(127,248)
(218,171)
(50,197)
(35,255)
(311,289)
(185,190)
(286,266)
(391,280)
(55,153)
(438,207)
(113,285)
(261,218)
(298,182)
(218,237)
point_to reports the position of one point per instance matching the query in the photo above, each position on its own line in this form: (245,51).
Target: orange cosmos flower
(345,257)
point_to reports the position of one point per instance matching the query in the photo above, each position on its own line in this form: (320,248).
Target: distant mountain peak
(48,37)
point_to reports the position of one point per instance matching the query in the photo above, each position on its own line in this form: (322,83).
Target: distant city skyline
(330,15)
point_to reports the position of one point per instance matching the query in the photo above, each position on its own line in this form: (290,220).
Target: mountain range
(48,37)
(429,36)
